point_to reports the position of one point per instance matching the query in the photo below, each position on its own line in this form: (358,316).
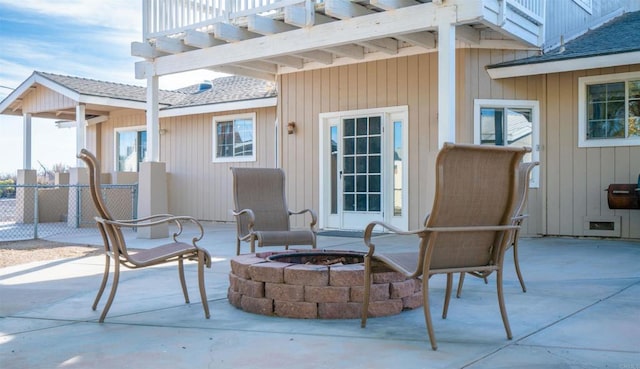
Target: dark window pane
(597,111)
(361,202)
(374,202)
(348,146)
(596,129)
(349,127)
(349,203)
(374,164)
(361,145)
(615,110)
(349,186)
(615,128)
(361,164)
(597,93)
(361,127)
(361,183)
(375,125)
(374,145)
(634,89)
(374,183)
(615,91)
(348,165)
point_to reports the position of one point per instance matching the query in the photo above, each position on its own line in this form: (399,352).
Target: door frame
(389,116)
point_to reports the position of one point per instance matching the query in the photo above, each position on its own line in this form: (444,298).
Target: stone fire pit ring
(296,284)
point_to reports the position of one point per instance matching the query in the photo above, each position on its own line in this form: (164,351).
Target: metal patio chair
(524,171)
(261,211)
(467,230)
(115,246)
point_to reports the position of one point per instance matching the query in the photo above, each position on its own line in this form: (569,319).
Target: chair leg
(367,291)
(237,246)
(503,309)
(114,288)
(447,295)
(183,283)
(103,284)
(203,293)
(427,312)
(517,264)
(460,283)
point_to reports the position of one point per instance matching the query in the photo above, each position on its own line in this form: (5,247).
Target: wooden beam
(349,51)
(424,39)
(468,34)
(345,9)
(300,16)
(229,33)
(385,24)
(172,45)
(393,4)
(260,66)
(144,50)
(385,45)
(267,26)
(201,39)
(319,56)
(289,61)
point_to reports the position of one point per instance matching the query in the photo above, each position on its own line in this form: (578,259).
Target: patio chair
(467,230)
(115,246)
(262,215)
(524,171)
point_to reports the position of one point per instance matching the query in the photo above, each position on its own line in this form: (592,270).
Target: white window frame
(117,131)
(226,118)
(534,105)
(583,82)
(587,5)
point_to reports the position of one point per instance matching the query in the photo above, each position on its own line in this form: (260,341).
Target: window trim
(118,130)
(583,82)
(534,105)
(232,117)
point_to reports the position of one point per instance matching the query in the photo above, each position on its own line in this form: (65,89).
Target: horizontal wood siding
(196,186)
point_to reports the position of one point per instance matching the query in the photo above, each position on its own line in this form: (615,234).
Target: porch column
(153,120)
(152,178)
(81,128)
(446,82)
(26,140)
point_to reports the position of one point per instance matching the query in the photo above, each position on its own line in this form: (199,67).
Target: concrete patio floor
(581,310)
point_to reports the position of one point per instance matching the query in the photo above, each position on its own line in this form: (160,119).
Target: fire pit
(323,284)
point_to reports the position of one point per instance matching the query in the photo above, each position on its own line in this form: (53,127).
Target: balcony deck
(263,38)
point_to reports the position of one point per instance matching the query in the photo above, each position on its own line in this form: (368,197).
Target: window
(131,148)
(233,138)
(509,123)
(609,110)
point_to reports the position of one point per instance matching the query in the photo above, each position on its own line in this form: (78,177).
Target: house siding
(44,100)
(572,179)
(196,185)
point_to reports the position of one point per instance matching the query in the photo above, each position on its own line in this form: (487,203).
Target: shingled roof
(620,35)
(221,90)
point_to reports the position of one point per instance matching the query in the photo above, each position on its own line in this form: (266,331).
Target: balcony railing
(170,17)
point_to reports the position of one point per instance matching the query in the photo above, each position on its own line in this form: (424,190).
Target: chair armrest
(155,220)
(368,231)
(252,220)
(314,217)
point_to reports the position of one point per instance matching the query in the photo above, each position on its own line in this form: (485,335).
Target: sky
(81,38)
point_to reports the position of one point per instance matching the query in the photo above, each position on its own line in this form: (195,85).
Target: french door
(363,153)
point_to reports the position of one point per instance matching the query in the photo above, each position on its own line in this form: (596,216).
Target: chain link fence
(49,211)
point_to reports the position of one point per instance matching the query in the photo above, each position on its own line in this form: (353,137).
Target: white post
(446,82)
(81,127)
(26,140)
(153,124)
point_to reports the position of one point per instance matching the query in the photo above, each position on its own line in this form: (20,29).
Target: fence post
(36,218)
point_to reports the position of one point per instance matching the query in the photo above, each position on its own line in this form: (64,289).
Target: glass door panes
(362,164)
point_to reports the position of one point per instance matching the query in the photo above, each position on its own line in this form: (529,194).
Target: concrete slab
(581,310)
